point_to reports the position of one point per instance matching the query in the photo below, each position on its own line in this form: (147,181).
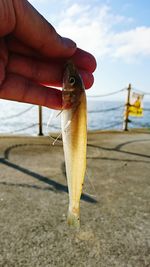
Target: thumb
(33,30)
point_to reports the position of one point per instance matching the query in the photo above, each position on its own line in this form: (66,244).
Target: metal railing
(123,122)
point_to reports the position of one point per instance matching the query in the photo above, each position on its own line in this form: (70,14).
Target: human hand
(33,55)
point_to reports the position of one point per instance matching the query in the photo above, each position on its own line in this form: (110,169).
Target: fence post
(40,121)
(126,120)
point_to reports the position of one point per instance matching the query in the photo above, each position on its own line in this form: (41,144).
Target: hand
(33,54)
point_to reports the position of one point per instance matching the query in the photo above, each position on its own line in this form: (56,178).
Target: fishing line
(56,139)
(49,123)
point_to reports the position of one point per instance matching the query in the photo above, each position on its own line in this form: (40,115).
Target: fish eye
(72,80)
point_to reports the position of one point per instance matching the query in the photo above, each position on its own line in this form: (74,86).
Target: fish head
(73,86)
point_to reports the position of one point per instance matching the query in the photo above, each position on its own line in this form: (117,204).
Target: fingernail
(69,43)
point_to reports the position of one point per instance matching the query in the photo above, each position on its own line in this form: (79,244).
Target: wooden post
(40,121)
(126,120)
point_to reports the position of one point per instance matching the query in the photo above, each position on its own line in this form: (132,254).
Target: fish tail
(73,218)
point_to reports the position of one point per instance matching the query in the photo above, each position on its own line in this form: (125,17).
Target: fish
(74,136)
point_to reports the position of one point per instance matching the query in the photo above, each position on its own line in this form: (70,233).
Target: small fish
(74,134)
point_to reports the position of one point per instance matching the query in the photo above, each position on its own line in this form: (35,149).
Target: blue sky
(116,32)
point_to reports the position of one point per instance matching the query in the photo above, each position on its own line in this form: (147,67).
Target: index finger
(33,29)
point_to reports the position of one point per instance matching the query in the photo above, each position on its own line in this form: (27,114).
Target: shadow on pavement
(118,148)
(57,186)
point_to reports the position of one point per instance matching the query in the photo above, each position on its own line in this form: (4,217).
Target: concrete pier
(115,205)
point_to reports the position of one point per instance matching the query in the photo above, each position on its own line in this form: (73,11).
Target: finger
(3,51)
(84,60)
(3,60)
(16,46)
(20,89)
(32,29)
(88,79)
(2,71)
(48,73)
(7,17)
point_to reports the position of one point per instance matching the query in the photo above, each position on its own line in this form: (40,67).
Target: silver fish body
(74,133)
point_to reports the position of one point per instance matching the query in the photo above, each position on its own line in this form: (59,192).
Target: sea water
(20,118)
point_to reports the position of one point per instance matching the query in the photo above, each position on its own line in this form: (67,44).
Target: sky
(116,32)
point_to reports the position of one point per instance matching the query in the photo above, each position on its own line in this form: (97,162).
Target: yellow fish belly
(74,133)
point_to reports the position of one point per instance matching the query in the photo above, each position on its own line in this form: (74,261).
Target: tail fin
(73,219)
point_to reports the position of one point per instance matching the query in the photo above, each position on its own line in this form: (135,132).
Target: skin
(33,55)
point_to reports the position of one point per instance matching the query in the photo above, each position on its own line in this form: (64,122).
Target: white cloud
(132,43)
(73,10)
(95,29)
(87,27)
